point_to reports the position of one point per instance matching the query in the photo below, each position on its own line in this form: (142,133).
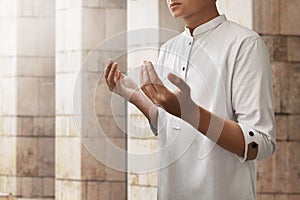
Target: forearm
(229,136)
(146,106)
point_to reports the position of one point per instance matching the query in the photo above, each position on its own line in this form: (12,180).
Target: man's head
(188,8)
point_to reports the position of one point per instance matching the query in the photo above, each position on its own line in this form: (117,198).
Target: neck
(197,19)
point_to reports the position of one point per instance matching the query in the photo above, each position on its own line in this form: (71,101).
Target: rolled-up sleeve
(253,99)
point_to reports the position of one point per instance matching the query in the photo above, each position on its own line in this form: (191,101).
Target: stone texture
(291,96)
(104,190)
(48,187)
(287,167)
(293,49)
(27,156)
(277,46)
(8,155)
(117,190)
(116,17)
(278,74)
(68,61)
(286,197)
(67,158)
(112,127)
(265,197)
(289,17)
(37,33)
(8,8)
(70,190)
(8,126)
(294,127)
(46,157)
(111,3)
(8,96)
(36,66)
(33,8)
(27,103)
(138,193)
(92,191)
(46,96)
(65,126)
(8,65)
(65,86)
(37,187)
(8,29)
(91,168)
(266,20)
(265,179)
(44,126)
(93,31)
(26,187)
(282,127)
(68,37)
(147,179)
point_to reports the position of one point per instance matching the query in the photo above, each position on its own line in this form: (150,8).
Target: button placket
(186,63)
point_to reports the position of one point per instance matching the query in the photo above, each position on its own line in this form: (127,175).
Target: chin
(176,14)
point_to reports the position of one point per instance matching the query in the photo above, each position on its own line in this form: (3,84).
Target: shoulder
(240,35)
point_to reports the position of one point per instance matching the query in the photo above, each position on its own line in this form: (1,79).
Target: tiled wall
(81,26)
(27,98)
(43,44)
(278,22)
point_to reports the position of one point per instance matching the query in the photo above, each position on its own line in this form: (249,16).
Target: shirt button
(183,68)
(251,133)
(190,43)
(254,145)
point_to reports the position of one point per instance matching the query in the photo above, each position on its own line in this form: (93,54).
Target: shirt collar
(206,26)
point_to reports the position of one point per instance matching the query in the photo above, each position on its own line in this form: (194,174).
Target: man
(224,95)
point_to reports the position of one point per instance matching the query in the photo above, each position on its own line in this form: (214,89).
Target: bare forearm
(229,134)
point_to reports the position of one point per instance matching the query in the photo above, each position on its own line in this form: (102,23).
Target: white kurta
(228,70)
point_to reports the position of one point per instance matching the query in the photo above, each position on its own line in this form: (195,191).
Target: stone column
(277,22)
(81,26)
(27,99)
(145,16)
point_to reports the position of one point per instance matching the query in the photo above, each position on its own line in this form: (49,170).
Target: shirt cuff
(250,136)
(161,120)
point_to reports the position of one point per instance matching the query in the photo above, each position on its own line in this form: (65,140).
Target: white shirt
(228,70)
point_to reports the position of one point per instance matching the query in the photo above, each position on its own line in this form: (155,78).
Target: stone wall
(43,45)
(27,98)
(278,22)
(81,26)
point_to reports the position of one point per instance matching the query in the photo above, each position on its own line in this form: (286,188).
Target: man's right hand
(122,85)
(119,83)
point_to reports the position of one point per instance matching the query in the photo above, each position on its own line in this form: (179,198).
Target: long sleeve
(252,98)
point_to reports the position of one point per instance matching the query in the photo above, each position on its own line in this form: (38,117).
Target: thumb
(178,82)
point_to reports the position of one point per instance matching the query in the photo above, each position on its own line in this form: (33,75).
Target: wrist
(136,97)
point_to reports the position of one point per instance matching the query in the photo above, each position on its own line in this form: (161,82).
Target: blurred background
(42,46)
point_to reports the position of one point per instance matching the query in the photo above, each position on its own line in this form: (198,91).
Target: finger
(145,75)
(150,92)
(149,83)
(153,77)
(117,75)
(141,76)
(147,87)
(112,74)
(108,68)
(178,82)
(152,74)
